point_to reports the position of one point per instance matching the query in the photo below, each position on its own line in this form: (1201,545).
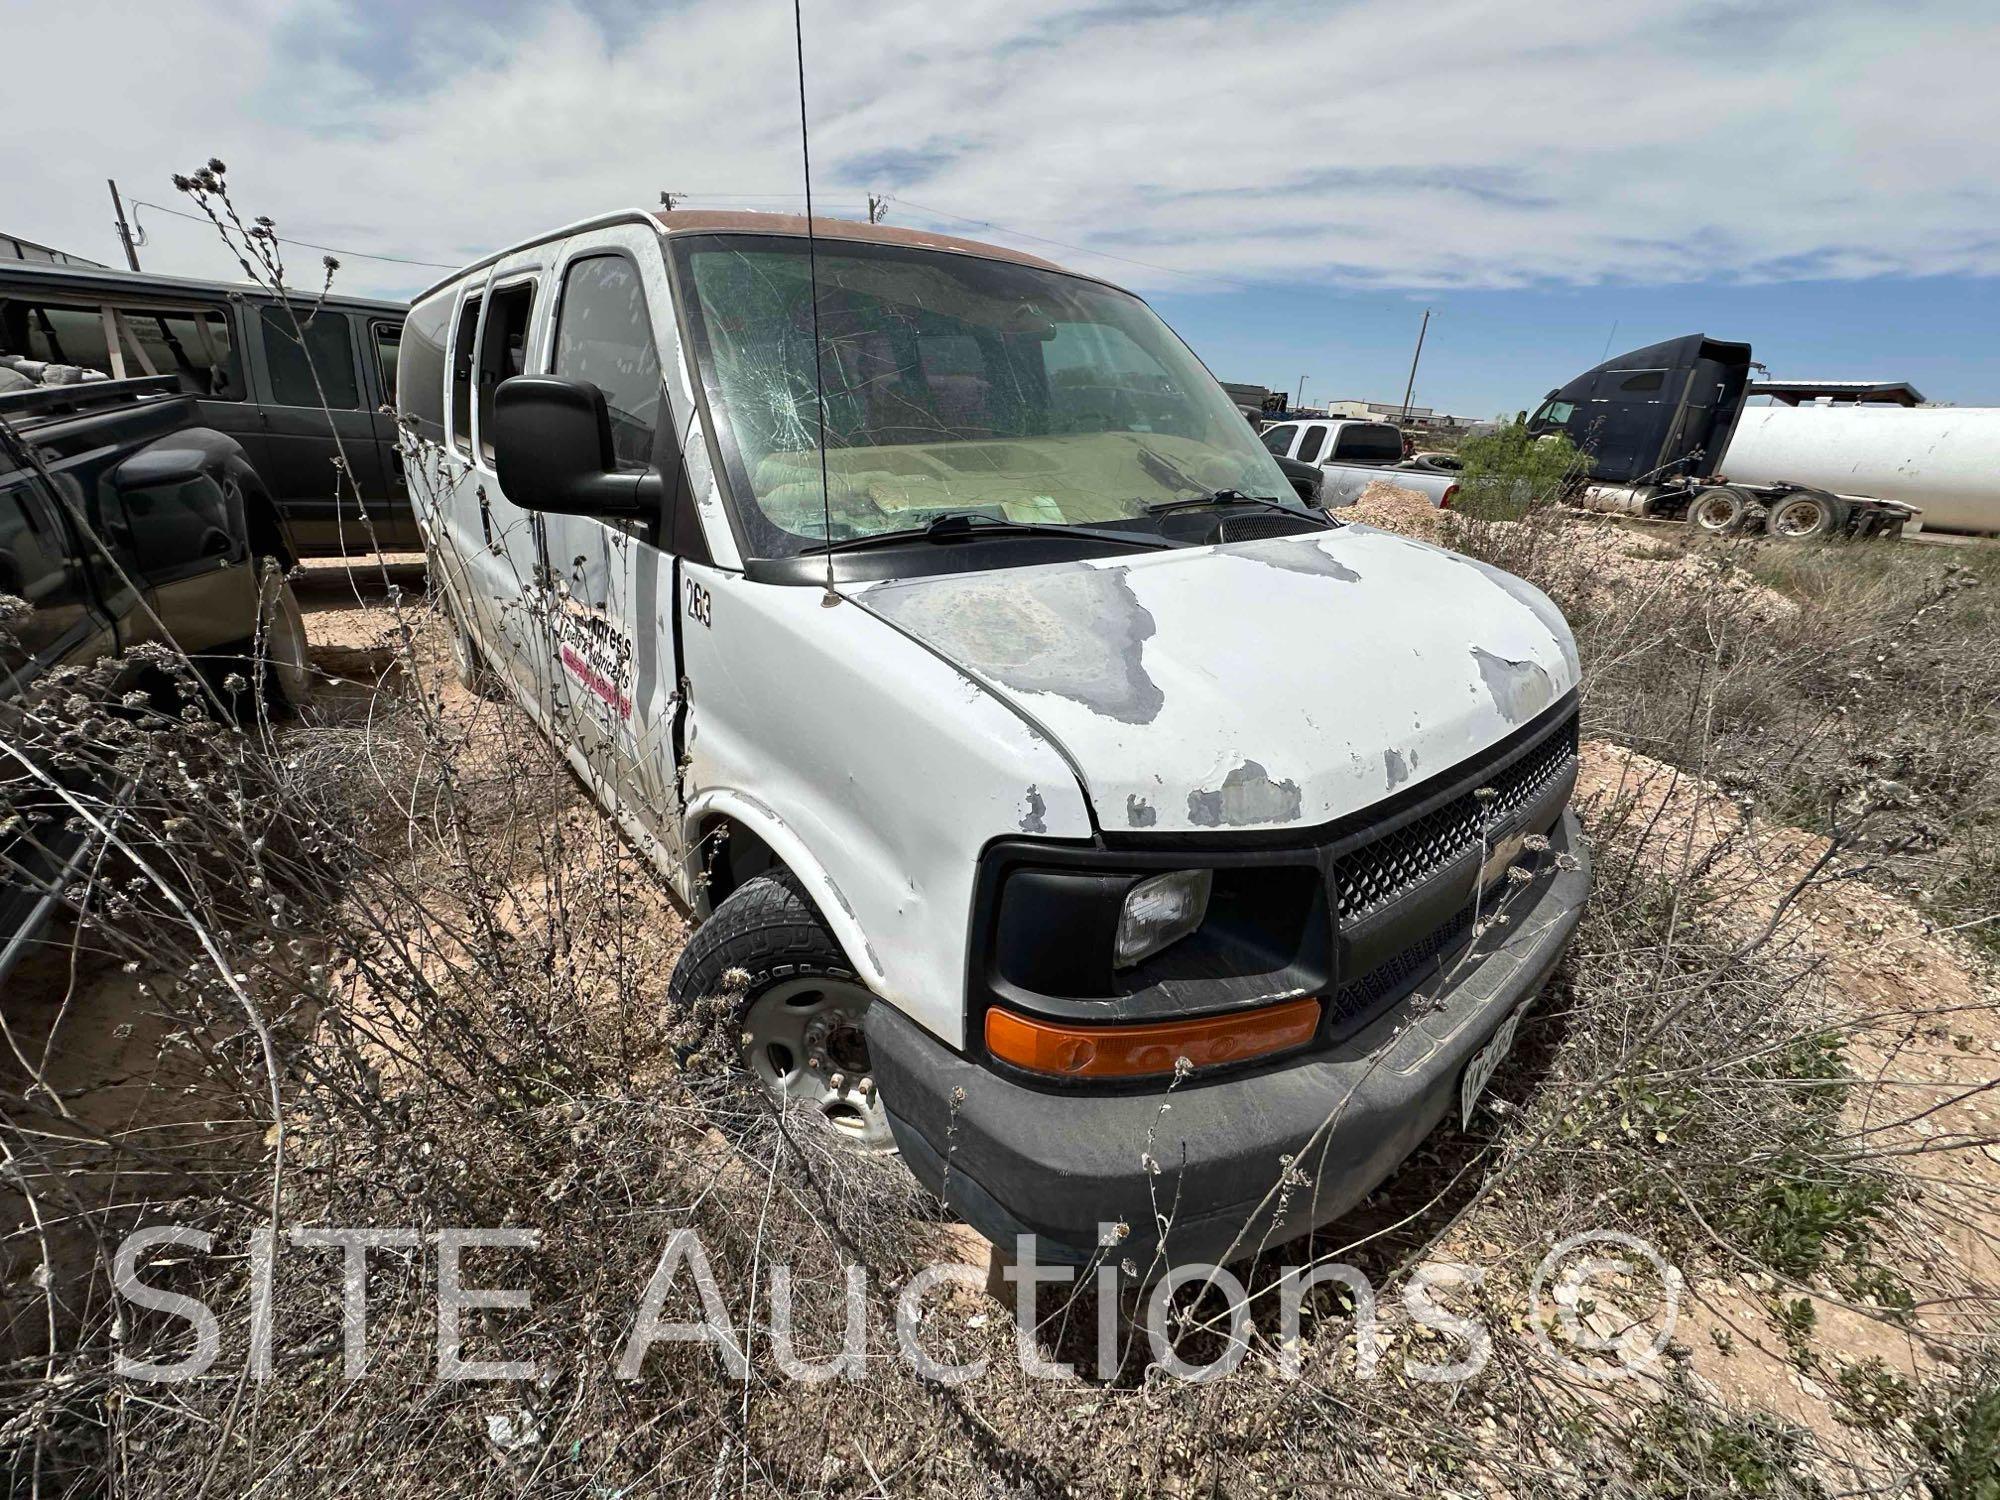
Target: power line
(401,260)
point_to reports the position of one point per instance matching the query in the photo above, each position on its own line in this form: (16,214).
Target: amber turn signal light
(1143,1051)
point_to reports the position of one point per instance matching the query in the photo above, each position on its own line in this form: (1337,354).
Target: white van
(967,666)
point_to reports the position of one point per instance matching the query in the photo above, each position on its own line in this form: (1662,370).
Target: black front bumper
(1235,1164)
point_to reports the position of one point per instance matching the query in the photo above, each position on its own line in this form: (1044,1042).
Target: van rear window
(420,367)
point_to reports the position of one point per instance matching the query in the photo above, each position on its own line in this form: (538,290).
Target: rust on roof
(713,221)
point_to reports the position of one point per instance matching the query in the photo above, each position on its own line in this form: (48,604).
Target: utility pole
(1410,389)
(878,209)
(124,229)
(667,201)
(1301,392)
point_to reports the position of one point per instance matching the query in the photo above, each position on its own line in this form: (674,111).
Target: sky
(1289,185)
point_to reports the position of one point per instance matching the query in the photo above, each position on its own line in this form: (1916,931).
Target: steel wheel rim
(802,1039)
(1787,526)
(286,648)
(1716,513)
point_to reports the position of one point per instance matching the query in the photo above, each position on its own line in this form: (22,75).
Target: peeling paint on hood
(1262,684)
(1520,689)
(1076,633)
(1247,798)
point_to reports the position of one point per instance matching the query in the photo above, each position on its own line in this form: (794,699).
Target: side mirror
(1307,479)
(552,451)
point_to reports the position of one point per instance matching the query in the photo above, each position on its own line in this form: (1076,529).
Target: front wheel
(798,1006)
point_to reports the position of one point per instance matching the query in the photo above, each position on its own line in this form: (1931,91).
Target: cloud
(1374,144)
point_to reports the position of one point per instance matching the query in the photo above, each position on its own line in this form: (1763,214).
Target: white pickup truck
(1352,455)
(1024,747)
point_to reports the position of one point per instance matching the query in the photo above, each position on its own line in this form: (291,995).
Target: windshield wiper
(1229,497)
(960,524)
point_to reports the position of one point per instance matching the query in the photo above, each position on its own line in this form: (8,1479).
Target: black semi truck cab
(1654,427)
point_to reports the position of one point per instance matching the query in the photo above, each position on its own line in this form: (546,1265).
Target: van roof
(102,280)
(712,221)
(718,221)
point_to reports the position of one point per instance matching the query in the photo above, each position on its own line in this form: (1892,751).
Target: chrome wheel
(803,1039)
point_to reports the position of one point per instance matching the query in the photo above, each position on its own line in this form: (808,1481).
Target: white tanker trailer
(1665,432)
(1945,460)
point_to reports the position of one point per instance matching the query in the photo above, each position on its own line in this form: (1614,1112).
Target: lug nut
(816,1063)
(866,1088)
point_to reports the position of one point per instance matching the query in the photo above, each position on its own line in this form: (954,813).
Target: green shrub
(1507,472)
(1961,1441)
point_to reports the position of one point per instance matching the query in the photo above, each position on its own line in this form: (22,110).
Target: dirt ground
(1919,1012)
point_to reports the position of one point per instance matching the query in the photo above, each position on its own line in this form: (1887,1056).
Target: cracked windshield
(954,384)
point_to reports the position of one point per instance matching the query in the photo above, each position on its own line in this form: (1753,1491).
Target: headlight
(1159,911)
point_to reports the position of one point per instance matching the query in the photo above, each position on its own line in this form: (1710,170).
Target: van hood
(1253,685)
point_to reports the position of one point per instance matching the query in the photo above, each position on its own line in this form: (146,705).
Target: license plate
(1479,1072)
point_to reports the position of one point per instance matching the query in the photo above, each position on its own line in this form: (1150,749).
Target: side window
(503,350)
(388,341)
(193,345)
(59,333)
(1643,380)
(461,376)
(1312,442)
(420,366)
(1279,440)
(41,597)
(604,334)
(326,350)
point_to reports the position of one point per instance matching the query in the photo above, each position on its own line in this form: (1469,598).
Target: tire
(1719,510)
(281,636)
(1807,516)
(274,663)
(468,662)
(797,1021)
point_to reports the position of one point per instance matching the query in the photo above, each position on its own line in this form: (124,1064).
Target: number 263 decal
(697,602)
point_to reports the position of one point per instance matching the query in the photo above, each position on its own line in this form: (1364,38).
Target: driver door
(610,584)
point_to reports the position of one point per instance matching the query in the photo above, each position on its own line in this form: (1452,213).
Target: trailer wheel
(1719,510)
(797,1005)
(1807,515)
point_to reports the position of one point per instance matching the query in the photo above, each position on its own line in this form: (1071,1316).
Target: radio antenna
(830,598)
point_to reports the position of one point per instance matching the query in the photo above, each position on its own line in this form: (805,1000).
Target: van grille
(1396,976)
(1403,857)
